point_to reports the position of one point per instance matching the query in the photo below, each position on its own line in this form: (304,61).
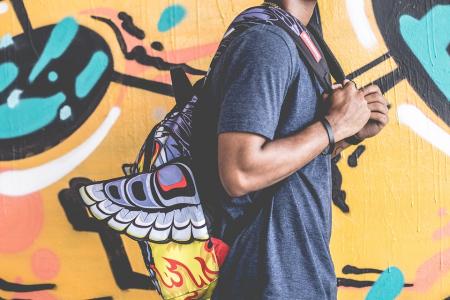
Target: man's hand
(348,110)
(378,106)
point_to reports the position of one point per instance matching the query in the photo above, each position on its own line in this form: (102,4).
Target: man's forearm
(250,169)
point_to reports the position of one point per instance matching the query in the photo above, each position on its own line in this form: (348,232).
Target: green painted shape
(8,73)
(91,74)
(429,38)
(60,39)
(29,115)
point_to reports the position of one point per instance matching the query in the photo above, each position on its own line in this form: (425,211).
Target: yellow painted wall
(398,194)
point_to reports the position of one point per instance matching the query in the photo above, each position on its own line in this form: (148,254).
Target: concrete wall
(83,106)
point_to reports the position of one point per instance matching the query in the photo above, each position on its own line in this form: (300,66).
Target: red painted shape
(311,46)
(21,220)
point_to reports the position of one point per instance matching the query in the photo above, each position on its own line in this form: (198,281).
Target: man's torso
(283,251)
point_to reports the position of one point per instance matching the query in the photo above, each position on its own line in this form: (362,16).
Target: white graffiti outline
(360,23)
(27,181)
(412,117)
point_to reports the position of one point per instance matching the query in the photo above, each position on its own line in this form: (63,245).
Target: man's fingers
(336,86)
(378,107)
(375,97)
(371,89)
(349,84)
(379,117)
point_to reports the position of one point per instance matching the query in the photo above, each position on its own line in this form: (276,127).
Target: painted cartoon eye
(44,99)
(53,79)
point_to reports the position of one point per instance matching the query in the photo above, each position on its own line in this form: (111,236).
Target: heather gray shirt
(262,86)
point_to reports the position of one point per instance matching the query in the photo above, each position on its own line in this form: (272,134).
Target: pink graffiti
(442,212)
(45,264)
(40,295)
(431,270)
(442,232)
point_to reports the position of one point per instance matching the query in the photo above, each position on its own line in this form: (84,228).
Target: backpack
(157,201)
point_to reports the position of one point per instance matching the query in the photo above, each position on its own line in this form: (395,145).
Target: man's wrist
(331,139)
(354,139)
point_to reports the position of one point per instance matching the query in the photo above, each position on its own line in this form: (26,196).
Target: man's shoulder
(263,34)
(262,44)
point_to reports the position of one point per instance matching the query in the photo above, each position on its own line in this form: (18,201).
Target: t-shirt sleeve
(257,70)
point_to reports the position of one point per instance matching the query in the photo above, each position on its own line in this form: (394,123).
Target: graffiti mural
(83,82)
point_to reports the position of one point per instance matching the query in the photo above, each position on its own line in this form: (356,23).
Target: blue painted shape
(29,115)
(91,74)
(52,76)
(60,39)
(170,17)
(8,73)
(6,41)
(388,286)
(428,38)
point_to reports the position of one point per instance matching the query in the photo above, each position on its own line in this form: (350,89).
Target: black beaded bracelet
(329,130)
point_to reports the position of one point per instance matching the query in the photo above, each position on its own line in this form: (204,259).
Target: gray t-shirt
(260,85)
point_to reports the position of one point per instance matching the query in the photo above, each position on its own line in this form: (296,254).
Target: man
(261,158)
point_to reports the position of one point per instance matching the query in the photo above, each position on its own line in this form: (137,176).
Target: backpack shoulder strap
(316,54)
(182,87)
(335,68)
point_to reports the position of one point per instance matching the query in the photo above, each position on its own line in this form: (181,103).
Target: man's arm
(249,162)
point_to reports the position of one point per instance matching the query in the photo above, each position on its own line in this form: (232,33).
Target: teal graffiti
(428,39)
(60,39)
(28,115)
(388,286)
(91,74)
(170,17)
(52,76)
(8,73)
